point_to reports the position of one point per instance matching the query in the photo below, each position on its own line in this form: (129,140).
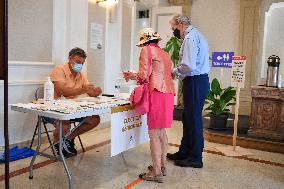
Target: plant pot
(218,122)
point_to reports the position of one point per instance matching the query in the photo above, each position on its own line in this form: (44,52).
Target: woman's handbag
(140,95)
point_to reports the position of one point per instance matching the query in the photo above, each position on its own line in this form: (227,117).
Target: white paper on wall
(96,36)
(238,71)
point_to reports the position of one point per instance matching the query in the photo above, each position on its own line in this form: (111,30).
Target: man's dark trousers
(195,90)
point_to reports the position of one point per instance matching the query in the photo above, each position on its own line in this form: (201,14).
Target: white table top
(98,105)
(58,115)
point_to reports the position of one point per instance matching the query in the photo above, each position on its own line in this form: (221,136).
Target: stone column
(186,5)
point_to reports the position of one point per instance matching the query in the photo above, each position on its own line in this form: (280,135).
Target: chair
(39,94)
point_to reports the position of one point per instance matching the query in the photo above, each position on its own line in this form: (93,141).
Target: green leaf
(222,104)
(215,87)
(168,48)
(210,96)
(228,96)
(219,100)
(172,48)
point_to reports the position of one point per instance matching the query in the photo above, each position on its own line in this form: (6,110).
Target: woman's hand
(129,76)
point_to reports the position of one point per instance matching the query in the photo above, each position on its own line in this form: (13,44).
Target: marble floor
(95,169)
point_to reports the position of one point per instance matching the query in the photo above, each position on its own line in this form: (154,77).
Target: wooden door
(160,21)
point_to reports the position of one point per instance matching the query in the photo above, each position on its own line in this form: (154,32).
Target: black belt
(201,75)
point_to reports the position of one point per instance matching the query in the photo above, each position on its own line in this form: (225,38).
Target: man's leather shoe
(188,163)
(175,156)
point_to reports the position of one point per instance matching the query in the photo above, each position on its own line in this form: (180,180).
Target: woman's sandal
(163,170)
(156,178)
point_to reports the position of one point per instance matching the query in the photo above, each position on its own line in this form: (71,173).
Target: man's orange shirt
(62,73)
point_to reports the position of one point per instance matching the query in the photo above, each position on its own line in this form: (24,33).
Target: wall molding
(38,67)
(29,63)
(21,82)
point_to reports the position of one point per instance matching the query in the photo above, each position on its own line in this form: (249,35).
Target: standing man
(193,70)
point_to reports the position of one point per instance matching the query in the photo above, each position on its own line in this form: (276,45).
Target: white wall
(30,31)
(127,35)
(96,57)
(218,20)
(30,55)
(271,38)
(140,24)
(275,36)
(163,3)
(68,29)
(113,53)
(104,65)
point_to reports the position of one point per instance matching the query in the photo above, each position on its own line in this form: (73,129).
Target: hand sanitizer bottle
(48,91)
(116,88)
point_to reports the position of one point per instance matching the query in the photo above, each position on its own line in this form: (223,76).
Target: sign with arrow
(222,59)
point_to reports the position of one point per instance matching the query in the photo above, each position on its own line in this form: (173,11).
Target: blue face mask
(77,67)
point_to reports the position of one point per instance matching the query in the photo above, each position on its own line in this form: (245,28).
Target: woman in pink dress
(161,98)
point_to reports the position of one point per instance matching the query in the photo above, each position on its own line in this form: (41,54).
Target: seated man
(70,82)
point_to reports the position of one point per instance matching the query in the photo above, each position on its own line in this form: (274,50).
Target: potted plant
(219,100)
(172,48)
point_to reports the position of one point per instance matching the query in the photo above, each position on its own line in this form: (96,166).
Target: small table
(27,108)
(267,113)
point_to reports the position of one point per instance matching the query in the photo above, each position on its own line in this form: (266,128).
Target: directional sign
(222,59)
(238,71)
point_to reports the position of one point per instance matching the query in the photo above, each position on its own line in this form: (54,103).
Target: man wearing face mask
(70,82)
(193,70)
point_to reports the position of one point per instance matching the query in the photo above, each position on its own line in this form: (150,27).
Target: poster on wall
(128,129)
(222,59)
(96,36)
(2,35)
(238,71)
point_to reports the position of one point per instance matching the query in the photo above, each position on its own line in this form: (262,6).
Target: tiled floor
(96,169)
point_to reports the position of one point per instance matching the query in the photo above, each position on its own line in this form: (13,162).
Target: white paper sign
(128,129)
(238,71)
(96,36)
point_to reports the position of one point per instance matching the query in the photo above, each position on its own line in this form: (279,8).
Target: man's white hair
(181,19)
